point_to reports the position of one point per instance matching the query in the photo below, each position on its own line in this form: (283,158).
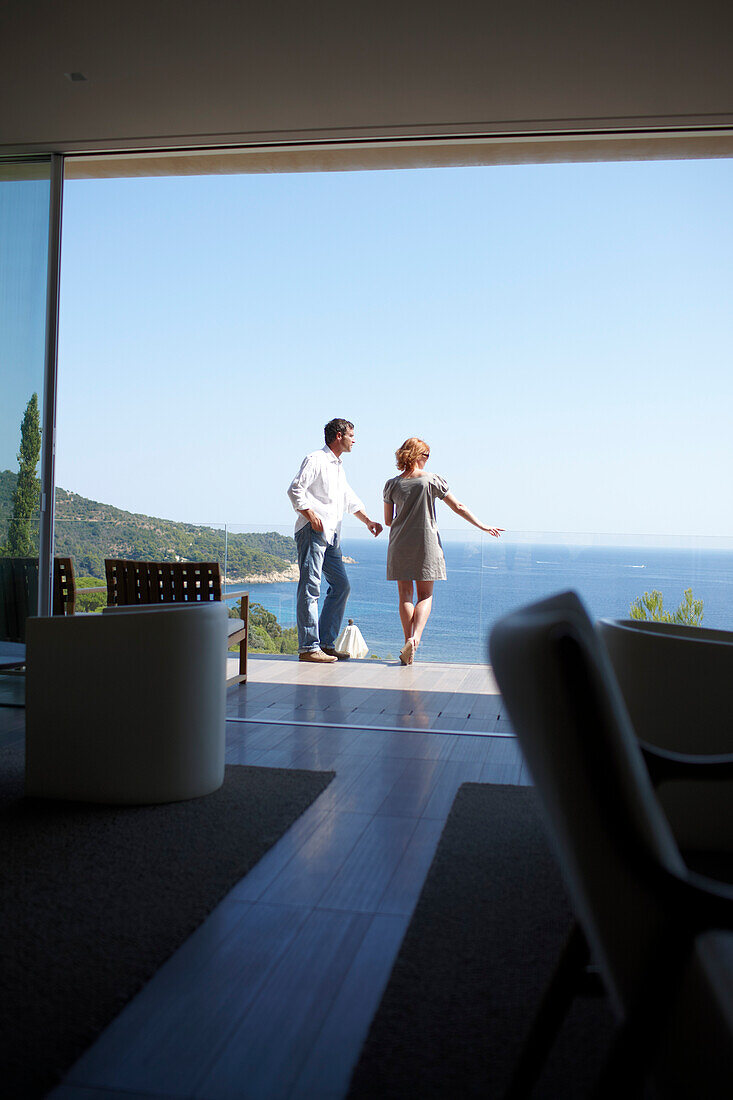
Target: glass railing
(486,577)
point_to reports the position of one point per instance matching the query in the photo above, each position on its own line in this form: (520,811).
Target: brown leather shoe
(337,653)
(317,657)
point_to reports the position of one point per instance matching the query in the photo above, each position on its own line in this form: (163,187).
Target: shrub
(90,601)
(265,633)
(650,608)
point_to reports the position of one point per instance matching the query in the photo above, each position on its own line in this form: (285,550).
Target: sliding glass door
(29,229)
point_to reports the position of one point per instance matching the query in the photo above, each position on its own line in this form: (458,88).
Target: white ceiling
(191,73)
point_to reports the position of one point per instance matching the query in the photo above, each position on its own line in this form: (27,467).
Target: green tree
(22,539)
(265,633)
(90,601)
(265,620)
(650,608)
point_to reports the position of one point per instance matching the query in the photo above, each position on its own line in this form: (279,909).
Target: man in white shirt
(321,495)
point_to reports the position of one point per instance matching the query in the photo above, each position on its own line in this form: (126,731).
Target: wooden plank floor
(272,996)
(370,694)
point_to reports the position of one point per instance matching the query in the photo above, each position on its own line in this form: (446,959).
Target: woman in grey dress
(415,554)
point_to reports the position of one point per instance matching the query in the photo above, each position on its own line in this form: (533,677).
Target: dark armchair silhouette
(641,914)
(676,683)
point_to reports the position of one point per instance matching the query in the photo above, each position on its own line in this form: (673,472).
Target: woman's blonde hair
(408,454)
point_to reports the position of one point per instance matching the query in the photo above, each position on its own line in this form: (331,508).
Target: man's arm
(374,527)
(313,518)
(355,506)
(299,496)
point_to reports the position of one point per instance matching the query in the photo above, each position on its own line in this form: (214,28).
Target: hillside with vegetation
(89,532)
(8,482)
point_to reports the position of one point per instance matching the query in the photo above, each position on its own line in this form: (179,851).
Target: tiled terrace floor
(272,996)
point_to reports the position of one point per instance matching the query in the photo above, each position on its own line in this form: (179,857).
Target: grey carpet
(488,927)
(93,899)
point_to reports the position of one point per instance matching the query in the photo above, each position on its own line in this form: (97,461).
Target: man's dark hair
(334,427)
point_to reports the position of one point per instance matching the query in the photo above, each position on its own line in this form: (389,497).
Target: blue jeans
(315,559)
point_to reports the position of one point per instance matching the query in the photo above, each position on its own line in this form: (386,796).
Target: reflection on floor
(272,996)
(372,694)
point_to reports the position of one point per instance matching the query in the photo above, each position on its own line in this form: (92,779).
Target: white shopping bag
(350,641)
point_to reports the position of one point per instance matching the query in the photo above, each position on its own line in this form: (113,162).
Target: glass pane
(89,533)
(24,224)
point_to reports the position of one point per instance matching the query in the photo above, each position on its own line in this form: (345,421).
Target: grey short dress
(415,551)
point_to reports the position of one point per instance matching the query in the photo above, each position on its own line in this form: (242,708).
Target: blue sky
(559,334)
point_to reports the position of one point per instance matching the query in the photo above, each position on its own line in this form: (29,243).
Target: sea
(486,579)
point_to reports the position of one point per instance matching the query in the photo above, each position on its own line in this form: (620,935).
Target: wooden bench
(131,583)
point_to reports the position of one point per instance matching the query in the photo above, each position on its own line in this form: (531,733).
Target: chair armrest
(664,765)
(152,608)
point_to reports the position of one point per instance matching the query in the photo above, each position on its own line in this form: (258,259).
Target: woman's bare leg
(407,614)
(407,607)
(423,607)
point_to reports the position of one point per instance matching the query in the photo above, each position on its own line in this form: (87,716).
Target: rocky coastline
(275,576)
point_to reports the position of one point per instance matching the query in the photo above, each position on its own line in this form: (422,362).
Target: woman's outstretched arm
(462,511)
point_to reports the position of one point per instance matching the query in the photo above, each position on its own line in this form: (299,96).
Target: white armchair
(127,708)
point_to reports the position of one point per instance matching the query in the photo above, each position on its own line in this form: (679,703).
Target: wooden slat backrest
(124,580)
(140,582)
(19,593)
(64,587)
(18,596)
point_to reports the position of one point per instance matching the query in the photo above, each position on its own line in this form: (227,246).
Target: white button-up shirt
(320,484)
